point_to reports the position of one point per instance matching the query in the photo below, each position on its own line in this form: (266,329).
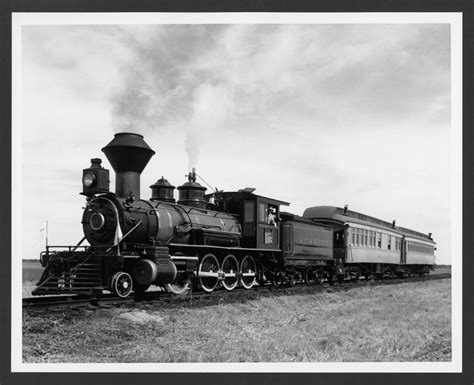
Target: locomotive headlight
(88,179)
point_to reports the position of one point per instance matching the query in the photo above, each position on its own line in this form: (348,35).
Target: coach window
(379,240)
(389,245)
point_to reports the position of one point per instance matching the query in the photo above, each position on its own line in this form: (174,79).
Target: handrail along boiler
(222,239)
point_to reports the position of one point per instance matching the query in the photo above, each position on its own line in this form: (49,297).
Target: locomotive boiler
(154,221)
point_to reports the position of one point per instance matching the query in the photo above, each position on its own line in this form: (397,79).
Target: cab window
(261,212)
(248,212)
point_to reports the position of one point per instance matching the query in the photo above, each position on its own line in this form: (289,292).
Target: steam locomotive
(221,239)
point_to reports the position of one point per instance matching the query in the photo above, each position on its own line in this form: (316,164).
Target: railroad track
(203,298)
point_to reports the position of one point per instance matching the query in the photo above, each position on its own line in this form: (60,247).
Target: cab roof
(247,194)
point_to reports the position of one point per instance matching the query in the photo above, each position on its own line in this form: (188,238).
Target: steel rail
(58,301)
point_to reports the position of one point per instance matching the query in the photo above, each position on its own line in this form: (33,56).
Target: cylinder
(145,272)
(166,269)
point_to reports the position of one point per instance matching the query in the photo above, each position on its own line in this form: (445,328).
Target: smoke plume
(212,110)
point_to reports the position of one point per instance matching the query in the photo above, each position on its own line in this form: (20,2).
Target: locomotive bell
(192,193)
(128,154)
(162,191)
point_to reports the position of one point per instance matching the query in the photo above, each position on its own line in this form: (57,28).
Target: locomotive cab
(259,216)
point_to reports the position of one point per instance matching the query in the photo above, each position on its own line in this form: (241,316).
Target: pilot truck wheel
(121,284)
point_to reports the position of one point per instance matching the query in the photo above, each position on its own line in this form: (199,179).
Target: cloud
(312,114)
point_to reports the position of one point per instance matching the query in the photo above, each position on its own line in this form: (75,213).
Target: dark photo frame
(6,320)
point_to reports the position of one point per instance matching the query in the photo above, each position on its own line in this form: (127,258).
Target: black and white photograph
(237,192)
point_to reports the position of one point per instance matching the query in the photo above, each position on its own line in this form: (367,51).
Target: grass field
(31,272)
(404,322)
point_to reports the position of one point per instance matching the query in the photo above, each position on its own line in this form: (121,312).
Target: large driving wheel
(121,284)
(230,267)
(248,272)
(208,273)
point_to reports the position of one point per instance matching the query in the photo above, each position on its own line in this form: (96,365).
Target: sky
(311,114)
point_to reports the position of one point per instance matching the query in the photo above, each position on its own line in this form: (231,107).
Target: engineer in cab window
(271,216)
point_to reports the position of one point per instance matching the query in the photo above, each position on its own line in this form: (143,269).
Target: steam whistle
(192,175)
